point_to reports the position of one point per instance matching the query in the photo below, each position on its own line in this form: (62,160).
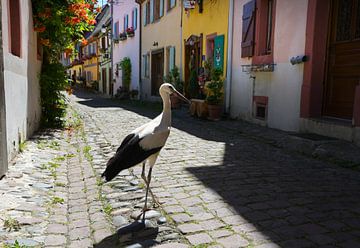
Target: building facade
(205,36)
(161,47)
(22,64)
(295,66)
(126,37)
(103,28)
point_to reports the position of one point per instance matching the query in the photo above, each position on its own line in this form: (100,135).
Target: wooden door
(111,88)
(343,71)
(104,82)
(157,71)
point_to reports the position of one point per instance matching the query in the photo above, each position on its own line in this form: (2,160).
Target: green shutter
(171,58)
(161,8)
(219,52)
(151,11)
(145,11)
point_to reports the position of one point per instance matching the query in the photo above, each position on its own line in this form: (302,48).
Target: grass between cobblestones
(79,126)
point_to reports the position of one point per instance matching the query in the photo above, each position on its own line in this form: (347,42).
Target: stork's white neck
(166,114)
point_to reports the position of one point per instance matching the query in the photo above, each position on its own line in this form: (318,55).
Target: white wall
(22,92)
(129,47)
(283,85)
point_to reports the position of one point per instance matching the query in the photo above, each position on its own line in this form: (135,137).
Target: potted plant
(174,78)
(122,36)
(134,94)
(215,94)
(130,32)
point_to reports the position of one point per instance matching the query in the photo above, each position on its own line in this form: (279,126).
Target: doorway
(193,58)
(343,60)
(104,81)
(111,88)
(157,71)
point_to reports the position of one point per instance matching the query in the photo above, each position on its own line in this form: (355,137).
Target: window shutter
(145,12)
(135,18)
(161,8)
(116,29)
(127,22)
(172,58)
(172,3)
(151,11)
(248,29)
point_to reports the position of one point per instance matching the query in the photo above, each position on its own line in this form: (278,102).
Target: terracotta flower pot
(214,112)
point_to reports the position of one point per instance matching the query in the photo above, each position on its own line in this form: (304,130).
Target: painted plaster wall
(283,86)
(22,92)
(167,32)
(213,19)
(91,65)
(129,47)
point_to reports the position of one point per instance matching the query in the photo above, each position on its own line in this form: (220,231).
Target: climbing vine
(60,24)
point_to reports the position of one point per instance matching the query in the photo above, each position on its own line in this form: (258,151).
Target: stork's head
(169,89)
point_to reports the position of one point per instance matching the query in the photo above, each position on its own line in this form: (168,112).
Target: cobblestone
(224,184)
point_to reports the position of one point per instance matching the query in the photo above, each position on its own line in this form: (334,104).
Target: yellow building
(205,34)
(160,43)
(90,58)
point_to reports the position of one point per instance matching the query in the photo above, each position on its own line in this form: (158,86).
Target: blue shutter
(171,58)
(151,11)
(172,3)
(161,8)
(127,22)
(145,11)
(135,18)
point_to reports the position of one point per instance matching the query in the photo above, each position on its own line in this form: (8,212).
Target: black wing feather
(129,154)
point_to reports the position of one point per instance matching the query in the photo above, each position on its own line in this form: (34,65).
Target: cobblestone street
(220,184)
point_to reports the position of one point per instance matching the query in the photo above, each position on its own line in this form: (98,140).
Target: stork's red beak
(181,97)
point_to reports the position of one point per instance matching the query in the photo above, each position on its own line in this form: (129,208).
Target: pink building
(126,41)
(295,65)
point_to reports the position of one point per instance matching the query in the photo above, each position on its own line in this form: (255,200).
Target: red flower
(92,22)
(40,29)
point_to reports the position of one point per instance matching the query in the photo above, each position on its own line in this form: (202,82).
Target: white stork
(144,143)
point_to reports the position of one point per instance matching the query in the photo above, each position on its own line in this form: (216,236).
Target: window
(15,37)
(260,107)
(158,9)
(171,4)
(103,42)
(126,22)
(146,59)
(258,29)
(116,30)
(134,18)
(170,51)
(148,12)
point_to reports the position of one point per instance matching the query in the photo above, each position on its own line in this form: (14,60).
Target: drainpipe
(228,83)
(3,139)
(140,37)
(181,44)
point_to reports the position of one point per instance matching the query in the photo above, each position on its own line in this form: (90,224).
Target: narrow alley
(218,187)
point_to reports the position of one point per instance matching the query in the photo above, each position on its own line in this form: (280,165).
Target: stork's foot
(142,214)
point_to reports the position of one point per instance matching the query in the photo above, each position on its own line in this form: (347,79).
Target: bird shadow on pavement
(133,233)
